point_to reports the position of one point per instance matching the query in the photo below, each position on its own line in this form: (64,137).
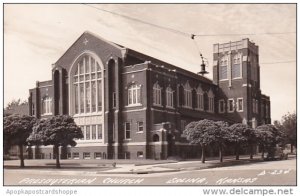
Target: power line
(278,62)
(141,21)
(151,24)
(194,41)
(243,34)
(192,36)
(182,32)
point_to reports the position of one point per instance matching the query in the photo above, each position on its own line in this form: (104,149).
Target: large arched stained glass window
(88,86)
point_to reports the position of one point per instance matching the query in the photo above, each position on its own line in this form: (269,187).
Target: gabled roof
(98,37)
(104,40)
(139,55)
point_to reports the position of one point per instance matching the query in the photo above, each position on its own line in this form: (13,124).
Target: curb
(59,172)
(64,172)
(139,172)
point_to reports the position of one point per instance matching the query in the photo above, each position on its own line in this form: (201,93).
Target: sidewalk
(93,168)
(185,165)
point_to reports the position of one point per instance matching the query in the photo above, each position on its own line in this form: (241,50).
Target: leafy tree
(15,103)
(278,134)
(280,130)
(289,127)
(221,136)
(268,136)
(264,137)
(277,124)
(201,132)
(17,128)
(58,131)
(238,135)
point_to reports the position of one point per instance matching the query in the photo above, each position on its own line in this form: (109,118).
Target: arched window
(47,105)
(223,67)
(169,97)
(187,95)
(134,95)
(200,98)
(87,83)
(236,66)
(156,94)
(211,101)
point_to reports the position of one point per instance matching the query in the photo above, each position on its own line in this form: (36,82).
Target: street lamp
(203,71)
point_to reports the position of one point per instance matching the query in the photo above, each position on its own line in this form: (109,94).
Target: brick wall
(124,67)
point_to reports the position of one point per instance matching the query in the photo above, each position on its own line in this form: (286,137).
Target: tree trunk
(221,153)
(37,152)
(292,149)
(203,154)
(263,152)
(237,155)
(29,151)
(251,151)
(21,156)
(57,156)
(64,152)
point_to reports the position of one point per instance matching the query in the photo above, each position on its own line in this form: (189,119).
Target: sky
(36,35)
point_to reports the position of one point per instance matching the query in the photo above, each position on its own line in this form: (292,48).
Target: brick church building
(130,105)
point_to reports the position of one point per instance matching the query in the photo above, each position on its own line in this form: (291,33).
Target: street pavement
(173,173)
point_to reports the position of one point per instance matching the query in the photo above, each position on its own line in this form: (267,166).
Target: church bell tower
(237,73)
